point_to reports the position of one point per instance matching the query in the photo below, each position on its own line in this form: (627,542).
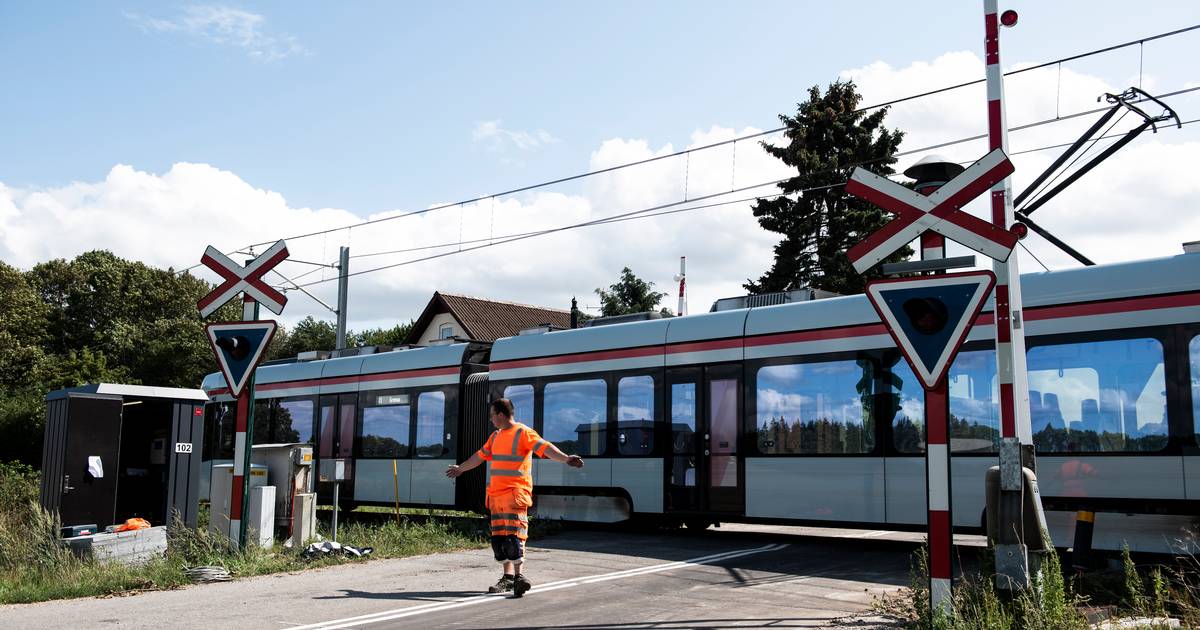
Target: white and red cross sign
(940,212)
(239,278)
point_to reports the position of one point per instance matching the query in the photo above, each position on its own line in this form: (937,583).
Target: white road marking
(421,609)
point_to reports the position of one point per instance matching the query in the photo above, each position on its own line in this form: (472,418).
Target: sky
(155,129)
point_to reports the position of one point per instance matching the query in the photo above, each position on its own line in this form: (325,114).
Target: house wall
(430,333)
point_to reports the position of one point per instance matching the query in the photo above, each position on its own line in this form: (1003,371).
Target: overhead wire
(656,158)
(643,213)
(862,163)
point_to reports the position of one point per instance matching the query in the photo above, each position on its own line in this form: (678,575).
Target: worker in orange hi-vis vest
(510,488)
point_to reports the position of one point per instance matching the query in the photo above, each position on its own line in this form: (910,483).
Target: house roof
(487,320)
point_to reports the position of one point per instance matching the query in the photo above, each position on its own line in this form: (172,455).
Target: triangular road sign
(239,347)
(929,317)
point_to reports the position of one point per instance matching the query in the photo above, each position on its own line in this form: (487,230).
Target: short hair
(503,406)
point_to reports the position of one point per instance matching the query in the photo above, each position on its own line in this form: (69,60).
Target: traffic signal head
(928,315)
(237,346)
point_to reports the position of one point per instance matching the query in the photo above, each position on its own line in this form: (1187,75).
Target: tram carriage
(798,413)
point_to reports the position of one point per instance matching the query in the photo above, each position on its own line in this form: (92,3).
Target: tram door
(336,438)
(703,407)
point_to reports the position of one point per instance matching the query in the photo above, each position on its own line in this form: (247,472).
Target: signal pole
(1016,434)
(343,288)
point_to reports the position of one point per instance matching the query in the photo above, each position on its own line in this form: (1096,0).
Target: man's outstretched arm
(457,469)
(552,452)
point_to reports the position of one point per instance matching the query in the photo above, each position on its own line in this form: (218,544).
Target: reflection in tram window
(574,416)
(635,415)
(1194,353)
(293,422)
(816,408)
(683,434)
(522,400)
(219,430)
(385,431)
(974,406)
(1101,396)
(431,424)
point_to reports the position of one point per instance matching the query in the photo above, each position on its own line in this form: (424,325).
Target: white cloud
(225,26)
(1116,212)
(1136,205)
(498,137)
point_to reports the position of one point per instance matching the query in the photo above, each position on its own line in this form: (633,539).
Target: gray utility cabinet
(114,452)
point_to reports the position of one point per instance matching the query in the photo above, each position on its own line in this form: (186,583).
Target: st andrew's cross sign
(940,212)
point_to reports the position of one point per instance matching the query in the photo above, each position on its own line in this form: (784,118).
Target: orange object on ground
(133,524)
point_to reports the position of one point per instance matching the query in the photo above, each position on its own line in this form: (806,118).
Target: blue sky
(371,107)
(377,109)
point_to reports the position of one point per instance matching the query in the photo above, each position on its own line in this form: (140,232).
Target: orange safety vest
(509,452)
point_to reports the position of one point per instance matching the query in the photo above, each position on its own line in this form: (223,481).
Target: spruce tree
(826,139)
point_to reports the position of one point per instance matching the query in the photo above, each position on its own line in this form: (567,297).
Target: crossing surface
(736,576)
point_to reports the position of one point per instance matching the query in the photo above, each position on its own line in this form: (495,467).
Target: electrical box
(114,452)
(304,518)
(260,528)
(289,469)
(334,470)
(222,485)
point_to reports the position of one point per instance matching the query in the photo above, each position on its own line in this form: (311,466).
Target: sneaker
(503,585)
(521,585)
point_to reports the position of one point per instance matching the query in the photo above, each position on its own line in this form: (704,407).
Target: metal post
(1016,444)
(937,479)
(336,485)
(343,286)
(682,278)
(239,496)
(935,172)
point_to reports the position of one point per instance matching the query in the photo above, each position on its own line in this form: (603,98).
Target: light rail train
(800,413)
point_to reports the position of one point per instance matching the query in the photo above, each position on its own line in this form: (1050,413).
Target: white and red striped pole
(1010,337)
(239,496)
(931,174)
(682,278)
(937,480)
(1016,435)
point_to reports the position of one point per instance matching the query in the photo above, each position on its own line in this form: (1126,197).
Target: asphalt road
(734,577)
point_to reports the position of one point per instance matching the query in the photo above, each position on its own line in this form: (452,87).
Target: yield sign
(239,347)
(929,317)
(239,278)
(940,212)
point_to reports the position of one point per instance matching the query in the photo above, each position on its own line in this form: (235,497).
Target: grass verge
(1057,600)
(34,565)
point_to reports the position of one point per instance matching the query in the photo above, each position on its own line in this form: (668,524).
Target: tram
(797,413)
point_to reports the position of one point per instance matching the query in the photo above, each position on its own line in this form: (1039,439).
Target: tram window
(220,424)
(1194,353)
(974,407)
(385,431)
(431,424)
(522,400)
(293,421)
(816,408)
(1100,396)
(575,416)
(635,415)
(683,418)
(262,421)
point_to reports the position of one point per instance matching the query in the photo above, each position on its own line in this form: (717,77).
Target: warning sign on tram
(239,347)
(929,317)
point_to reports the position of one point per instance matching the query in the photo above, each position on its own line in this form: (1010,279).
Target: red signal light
(1009,18)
